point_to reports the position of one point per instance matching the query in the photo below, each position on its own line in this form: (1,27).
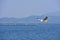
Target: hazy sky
(24,8)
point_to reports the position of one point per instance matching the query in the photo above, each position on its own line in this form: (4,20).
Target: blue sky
(24,8)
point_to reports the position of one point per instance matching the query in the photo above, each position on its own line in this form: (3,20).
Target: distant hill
(53,17)
(30,19)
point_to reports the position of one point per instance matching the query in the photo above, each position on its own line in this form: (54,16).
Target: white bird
(44,20)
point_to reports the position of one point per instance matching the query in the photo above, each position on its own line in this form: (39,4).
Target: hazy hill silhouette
(53,17)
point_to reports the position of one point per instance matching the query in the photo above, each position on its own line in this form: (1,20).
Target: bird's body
(44,20)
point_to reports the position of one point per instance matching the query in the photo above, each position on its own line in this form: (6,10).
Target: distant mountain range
(53,17)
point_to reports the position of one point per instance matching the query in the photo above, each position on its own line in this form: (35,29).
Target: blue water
(30,32)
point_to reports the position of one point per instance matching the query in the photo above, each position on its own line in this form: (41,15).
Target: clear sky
(24,8)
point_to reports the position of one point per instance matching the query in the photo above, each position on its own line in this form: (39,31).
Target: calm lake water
(30,32)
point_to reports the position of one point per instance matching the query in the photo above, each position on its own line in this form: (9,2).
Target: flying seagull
(44,19)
